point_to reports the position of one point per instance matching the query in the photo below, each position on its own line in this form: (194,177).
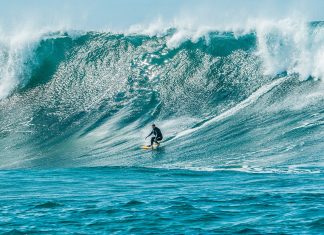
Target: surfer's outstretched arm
(149,134)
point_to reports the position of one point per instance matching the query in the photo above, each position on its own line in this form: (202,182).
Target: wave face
(252,101)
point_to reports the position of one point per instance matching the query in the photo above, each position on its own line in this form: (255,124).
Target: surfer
(157,135)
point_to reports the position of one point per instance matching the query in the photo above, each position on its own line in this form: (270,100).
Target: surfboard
(145,147)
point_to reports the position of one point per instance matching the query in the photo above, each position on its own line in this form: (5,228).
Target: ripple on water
(133,203)
(318,224)
(14,232)
(48,205)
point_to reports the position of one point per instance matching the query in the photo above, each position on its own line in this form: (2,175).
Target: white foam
(292,46)
(14,51)
(283,45)
(17,49)
(288,44)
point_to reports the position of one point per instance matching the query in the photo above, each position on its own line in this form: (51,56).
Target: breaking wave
(244,100)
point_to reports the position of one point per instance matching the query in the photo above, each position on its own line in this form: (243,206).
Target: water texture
(155,201)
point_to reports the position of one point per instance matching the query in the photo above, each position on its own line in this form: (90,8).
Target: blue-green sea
(241,112)
(112,200)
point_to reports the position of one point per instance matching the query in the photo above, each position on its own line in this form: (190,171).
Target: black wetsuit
(157,135)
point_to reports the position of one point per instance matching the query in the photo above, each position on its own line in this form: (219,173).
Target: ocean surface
(111,200)
(241,111)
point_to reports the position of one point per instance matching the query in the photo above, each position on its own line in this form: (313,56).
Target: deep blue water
(158,201)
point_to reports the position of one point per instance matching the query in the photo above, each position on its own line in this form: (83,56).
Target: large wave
(250,99)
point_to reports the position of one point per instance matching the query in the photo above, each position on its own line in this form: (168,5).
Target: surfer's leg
(152,140)
(157,139)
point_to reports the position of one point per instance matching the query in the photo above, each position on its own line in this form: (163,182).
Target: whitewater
(241,110)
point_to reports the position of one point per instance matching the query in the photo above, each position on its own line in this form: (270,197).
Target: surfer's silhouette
(157,135)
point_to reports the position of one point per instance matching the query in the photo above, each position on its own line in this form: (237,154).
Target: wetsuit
(157,135)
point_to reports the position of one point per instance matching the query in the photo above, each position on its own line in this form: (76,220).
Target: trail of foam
(252,99)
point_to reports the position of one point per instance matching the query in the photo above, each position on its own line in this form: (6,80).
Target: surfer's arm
(149,134)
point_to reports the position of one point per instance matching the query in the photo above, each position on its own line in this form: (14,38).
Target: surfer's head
(153,125)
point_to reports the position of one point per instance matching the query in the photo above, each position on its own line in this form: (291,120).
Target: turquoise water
(146,201)
(242,115)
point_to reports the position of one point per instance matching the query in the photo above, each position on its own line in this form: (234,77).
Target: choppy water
(148,201)
(242,115)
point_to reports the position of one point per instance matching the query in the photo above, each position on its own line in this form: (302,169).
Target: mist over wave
(225,99)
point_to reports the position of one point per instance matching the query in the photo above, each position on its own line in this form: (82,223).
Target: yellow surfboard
(145,147)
